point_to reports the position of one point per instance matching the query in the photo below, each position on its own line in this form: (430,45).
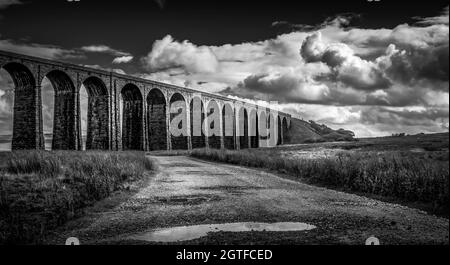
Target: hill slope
(311,132)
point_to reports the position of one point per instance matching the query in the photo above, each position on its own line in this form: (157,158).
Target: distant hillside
(311,132)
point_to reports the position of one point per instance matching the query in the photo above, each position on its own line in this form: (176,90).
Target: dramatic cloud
(389,67)
(344,72)
(345,66)
(168,53)
(283,87)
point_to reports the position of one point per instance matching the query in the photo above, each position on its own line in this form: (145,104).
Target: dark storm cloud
(282,85)
(282,88)
(430,63)
(346,67)
(405,117)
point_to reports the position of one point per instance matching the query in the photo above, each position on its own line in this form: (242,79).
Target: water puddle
(183,233)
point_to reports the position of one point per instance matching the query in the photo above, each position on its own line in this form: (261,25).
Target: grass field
(411,169)
(42,190)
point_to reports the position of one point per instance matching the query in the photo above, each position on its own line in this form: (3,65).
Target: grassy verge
(42,190)
(408,178)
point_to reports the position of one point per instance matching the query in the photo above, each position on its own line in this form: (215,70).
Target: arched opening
(156,120)
(243,128)
(97,118)
(254,131)
(272,126)
(6,110)
(279,130)
(24,103)
(65,127)
(48,112)
(214,121)
(84,105)
(228,128)
(178,142)
(131,118)
(197,117)
(263,132)
(285,131)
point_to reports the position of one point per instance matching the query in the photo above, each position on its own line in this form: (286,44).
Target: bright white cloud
(123,59)
(168,53)
(104,49)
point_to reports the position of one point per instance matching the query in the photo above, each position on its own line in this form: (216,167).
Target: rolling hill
(311,132)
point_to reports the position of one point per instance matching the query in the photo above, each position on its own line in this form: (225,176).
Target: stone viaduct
(130,113)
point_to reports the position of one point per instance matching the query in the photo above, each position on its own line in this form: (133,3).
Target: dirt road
(187,192)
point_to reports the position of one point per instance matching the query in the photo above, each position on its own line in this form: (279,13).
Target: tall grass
(389,174)
(42,190)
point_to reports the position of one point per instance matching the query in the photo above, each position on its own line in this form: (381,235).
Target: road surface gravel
(187,191)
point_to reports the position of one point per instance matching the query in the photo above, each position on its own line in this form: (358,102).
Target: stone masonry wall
(140,126)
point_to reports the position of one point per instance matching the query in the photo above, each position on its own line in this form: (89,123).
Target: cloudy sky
(376,68)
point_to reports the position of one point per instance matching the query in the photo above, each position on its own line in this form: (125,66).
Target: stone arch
(254,129)
(197,117)
(65,116)
(132,125)
(228,126)
(156,120)
(243,128)
(285,130)
(214,140)
(27,113)
(179,142)
(97,114)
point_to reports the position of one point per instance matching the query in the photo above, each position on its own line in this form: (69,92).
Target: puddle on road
(190,172)
(171,181)
(235,190)
(182,165)
(183,233)
(193,199)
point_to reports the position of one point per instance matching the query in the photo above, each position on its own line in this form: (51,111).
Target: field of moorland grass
(42,190)
(406,172)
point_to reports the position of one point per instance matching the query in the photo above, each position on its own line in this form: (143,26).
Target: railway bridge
(131,113)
